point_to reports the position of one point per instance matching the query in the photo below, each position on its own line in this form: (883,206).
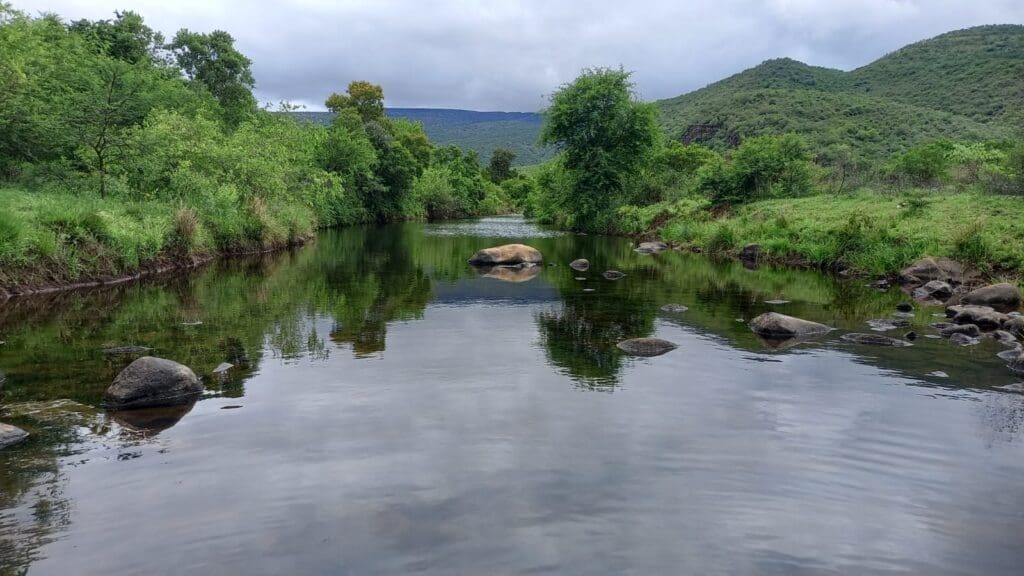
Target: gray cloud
(509,55)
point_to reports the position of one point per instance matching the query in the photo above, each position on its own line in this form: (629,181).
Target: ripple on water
(493,227)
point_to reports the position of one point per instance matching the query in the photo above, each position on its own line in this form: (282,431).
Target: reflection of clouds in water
(497,227)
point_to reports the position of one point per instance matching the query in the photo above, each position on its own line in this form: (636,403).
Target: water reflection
(441,366)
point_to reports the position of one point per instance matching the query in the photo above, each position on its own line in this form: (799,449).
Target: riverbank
(55,241)
(867,232)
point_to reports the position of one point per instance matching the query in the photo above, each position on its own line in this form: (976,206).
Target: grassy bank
(868,232)
(53,239)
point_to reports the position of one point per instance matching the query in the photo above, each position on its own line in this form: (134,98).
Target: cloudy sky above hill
(510,55)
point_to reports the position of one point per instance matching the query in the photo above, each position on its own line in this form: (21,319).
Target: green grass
(52,238)
(867,232)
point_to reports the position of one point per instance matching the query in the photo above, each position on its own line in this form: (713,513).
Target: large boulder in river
(11,435)
(775,325)
(580,265)
(966,329)
(507,254)
(1003,296)
(646,346)
(875,340)
(984,316)
(928,269)
(933,290)
(149,382)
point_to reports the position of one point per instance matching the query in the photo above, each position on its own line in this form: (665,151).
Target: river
(391,411)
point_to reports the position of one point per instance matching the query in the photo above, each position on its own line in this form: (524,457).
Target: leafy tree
(925,164)
(125,38)
(762,167)
(606,135)
(212,61)
(367,99)
(500,167)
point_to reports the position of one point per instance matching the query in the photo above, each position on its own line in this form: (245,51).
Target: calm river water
(392,412)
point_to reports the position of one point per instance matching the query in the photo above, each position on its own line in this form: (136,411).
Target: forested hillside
(964,85)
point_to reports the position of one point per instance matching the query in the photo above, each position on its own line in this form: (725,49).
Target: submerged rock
(674,308)
(149,382)
(964,340)
(1002,297)
(651,247)
(580,264)
(886,324)
(1012,354)
(966,329)
(11,435)
(613,275)
(775,325)
(1004,338)
(1016,365)
(875,340)
(507,254)
(646,346)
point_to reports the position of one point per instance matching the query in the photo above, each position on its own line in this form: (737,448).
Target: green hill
(472,130)
(966,85)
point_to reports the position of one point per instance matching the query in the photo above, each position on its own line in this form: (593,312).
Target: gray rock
(776,302)
(674,308)
(613,275)
(1014,325)
(1004,338)
(938,374)
(651,247)
(875,340)
(928,269)
(880,285)
(775,325)
(1017,387)
(1003,297)
(11,435)
(1016,365)
(984,316)
(507,254)
(1012,354)
(941,325)
(149,382)
(580,265)
(933,290)
(646,346)
(223,367)
(964,339)
(966,329)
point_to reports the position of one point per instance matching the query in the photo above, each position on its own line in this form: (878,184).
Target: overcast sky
(509,55)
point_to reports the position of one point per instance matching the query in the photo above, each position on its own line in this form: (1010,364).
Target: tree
(365,98)
(606,135)
(126,37)
(500,167)
(212,61)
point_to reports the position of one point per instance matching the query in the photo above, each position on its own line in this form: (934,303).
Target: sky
(511,55)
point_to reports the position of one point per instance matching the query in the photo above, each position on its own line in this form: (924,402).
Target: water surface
(393,411)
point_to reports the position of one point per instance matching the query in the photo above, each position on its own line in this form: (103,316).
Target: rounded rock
(149,382)
(647,347)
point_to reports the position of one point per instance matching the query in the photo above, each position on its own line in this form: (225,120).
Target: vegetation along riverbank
(122,152)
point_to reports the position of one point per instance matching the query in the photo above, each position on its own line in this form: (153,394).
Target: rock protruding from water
(651,247)
(983,316)
(934,290)
(775,325)
(971,330)
(646,346)
(887,324)
(613,275)
(580,265)
(674,308)
(964,340)
(928,269)
(875,340)
(507,254)
(1016,365)
(1003,297)
(149,382)
(11,435)
(1014,325)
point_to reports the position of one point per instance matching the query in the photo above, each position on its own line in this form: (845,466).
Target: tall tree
(607,135)
(126,37)
(500,167)
(212,61)
(367,99)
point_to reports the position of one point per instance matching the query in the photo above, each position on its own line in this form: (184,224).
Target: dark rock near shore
(507,254)
(910,335)
(751,253)
(928,269)
(1014,325)
(646,346)
(933,290)
(11,435)
(613,275)
(775,325)
(149,382)
(1004,338)
(984,316)
(580,265)
(1003,297)
(971,330)
(905,307)
(875,340)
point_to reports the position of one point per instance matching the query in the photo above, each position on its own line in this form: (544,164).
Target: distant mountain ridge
(472,130)
(967,84)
